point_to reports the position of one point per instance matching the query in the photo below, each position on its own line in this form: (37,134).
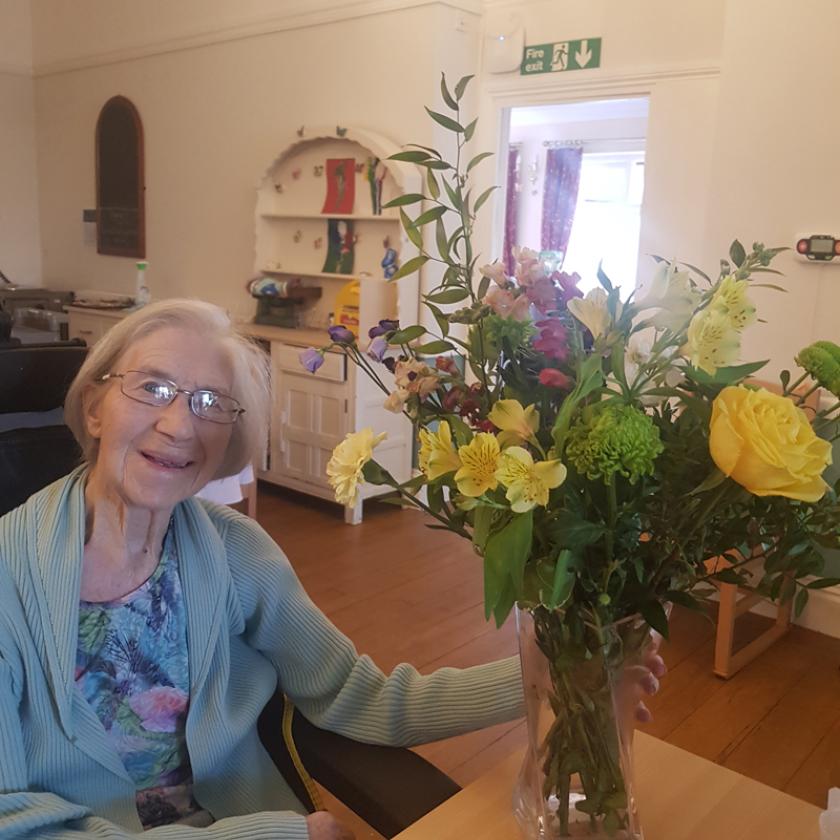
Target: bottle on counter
(141,292)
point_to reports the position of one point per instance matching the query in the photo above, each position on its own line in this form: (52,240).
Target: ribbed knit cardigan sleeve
(336,688)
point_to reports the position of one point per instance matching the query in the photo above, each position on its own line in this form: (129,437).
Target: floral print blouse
(132,667)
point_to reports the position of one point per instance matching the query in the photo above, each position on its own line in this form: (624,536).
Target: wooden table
(681,797)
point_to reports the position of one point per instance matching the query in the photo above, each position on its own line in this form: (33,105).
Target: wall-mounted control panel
(818,246)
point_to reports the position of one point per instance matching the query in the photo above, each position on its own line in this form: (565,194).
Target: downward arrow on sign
(584,54)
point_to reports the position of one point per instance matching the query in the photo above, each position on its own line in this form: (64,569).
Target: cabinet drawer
(87,327)
(287,358)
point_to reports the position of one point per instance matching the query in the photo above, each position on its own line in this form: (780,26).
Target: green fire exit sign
(562,55)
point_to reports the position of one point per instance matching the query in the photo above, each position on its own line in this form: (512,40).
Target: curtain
(562,179)
(511,209)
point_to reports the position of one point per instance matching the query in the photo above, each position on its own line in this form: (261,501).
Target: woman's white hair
(249,364)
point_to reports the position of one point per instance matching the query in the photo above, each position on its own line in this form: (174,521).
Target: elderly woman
(143,631)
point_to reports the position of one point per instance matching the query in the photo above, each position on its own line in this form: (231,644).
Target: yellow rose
(766,444)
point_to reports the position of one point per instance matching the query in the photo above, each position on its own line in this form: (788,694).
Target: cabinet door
(86,326)
(310,419)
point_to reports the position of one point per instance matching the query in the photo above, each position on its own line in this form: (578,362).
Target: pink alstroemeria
(505,305)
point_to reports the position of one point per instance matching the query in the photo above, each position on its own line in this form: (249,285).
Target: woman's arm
(336,688)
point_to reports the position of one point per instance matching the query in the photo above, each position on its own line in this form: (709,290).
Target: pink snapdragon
(553,340)
(506,305)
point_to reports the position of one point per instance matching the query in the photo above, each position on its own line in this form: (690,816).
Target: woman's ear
(92,409)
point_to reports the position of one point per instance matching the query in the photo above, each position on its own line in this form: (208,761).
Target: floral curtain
(511,209)
(562,179)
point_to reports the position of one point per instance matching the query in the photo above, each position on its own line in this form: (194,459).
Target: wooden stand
(734,602)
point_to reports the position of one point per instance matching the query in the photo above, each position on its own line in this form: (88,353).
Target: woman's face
(154,457)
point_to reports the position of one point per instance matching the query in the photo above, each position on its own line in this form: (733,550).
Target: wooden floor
(403,592)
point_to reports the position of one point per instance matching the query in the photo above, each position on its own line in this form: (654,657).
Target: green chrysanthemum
(500,330)
(611,439)
(822,361)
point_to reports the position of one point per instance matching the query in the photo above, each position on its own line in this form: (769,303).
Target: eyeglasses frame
(121,376)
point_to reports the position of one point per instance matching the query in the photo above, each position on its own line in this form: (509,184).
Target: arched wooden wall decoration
(120,184)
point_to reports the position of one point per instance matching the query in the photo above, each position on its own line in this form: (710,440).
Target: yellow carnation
(528,483)
(344,469)
(437,456)
(712,341)
(765,443)
(479,462)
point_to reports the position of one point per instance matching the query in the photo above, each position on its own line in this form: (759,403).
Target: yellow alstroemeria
(479,462)
(731,298)
(344,470)
(528,483)
(712,341)
(592,311)
(437,456)
(517,424)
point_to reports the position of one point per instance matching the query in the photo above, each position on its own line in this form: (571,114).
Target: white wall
(774,171)
(667,51)
(214,118)
(19,224)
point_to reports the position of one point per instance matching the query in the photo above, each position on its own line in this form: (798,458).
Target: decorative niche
(120,184)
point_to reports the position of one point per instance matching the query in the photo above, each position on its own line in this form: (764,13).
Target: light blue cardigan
(249,624)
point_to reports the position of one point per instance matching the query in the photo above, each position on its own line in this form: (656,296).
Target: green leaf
(442,320)
(406,335)
(505,555)
(683,599)
(603,279)
(375,474)
(410,231)
(446,122)
(441,240)
(483,287)
(401,200)
(483,197)
(737,253)
(454,295)
(712,480)
(571,531)
(477,159)
(470,130)
(433,348)
(454,196)
(654,614)
(823,583)
(410,156)
(410,267)
(447,96)
(429,216)
(428,149)
(728,576)
(461,432)
(564,580)
(462,86)
(726,375)
(482,521)
(784,378)
(800,601)
(431,182)
(435,164)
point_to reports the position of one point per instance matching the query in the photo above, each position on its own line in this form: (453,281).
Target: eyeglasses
(149,389)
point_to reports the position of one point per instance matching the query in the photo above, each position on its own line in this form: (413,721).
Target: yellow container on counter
(347,307)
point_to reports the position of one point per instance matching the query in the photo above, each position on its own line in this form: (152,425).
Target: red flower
(553,340)
(553,378)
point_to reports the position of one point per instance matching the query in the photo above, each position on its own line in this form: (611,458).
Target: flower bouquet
(606,454)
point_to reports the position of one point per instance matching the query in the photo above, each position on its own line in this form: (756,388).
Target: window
(120,188)
(607,219)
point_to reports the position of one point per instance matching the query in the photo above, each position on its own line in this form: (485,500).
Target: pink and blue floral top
(132,667)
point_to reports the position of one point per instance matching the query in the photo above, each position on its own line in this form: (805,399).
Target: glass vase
(580,694)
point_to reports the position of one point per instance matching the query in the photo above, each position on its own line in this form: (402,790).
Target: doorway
(575,185)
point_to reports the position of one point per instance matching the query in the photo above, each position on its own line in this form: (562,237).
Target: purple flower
(378,348)
(311,359)
(341,335)
(384,326)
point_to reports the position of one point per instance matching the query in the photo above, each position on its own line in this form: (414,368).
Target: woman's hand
(644,679)
(324,826)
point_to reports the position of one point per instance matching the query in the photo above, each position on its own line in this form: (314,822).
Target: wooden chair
(735,600)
